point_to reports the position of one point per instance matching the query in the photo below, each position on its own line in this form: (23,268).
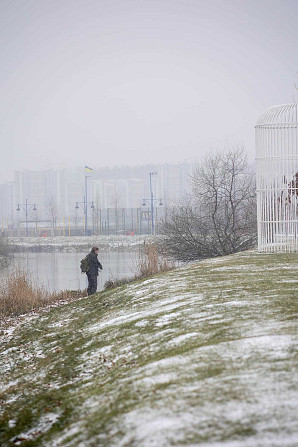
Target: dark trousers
(92,284)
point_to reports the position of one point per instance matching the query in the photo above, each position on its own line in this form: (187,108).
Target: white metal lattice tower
(277,179)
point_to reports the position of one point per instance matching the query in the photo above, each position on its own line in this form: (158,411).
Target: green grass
(204,354)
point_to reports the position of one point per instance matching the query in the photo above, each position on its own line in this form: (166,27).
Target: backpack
(85,264)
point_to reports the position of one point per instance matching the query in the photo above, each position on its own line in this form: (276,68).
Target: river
(60,270)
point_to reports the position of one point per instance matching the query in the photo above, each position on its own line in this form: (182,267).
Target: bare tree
(116,202)
(97,213)
(75,220)
(52,208)
(219,217)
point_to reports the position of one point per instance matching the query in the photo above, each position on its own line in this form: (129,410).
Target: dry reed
(19,294)
(152,262)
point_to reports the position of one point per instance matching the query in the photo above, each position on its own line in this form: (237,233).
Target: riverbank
(204,355)
(77,243)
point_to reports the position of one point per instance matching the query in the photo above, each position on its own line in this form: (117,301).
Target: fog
(128,82)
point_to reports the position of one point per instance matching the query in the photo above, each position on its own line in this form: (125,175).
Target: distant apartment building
(174,181)
(60,194)
(7,203)
(69,191)
(121,193)
(136,192)
(37,188)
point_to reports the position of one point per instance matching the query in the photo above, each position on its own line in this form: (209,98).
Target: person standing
(92,273)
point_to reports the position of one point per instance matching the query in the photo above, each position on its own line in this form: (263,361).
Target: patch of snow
(229,268)
(13,398)
(5,387)
(142,323)
(275,440)
(289,280)
(60,323)
(182,338)
(166,319)
(157,379)
(44,424)
(176,360)
(153,428)
(69,432)
(96,353)
(7,351)
(149,281)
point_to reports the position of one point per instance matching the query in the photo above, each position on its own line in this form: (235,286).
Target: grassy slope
(203,355)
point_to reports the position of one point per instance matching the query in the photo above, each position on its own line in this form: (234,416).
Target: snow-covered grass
(204,355)
(76,243)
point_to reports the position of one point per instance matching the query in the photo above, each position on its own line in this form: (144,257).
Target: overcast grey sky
(107,82)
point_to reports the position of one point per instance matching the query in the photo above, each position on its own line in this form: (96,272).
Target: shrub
(219,216)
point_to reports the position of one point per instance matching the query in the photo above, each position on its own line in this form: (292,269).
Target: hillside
(204,355)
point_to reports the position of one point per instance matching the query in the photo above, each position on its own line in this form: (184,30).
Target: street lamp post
(152,201)
(26,207)
(84,205)
(151,198)
(88,169)
(86,209)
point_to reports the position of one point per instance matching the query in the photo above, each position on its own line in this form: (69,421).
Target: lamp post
(26,207)
(87,169)
(86,209)
(84,205)
(152,201)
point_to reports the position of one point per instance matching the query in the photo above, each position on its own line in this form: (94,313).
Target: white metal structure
(277,179)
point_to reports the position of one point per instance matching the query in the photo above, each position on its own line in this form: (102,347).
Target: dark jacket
(94,265)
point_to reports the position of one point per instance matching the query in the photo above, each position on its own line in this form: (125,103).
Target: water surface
(60,271)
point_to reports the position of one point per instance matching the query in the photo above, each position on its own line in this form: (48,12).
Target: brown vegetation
(153,261)
(19,295)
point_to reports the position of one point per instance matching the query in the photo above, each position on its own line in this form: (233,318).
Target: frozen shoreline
(77,243)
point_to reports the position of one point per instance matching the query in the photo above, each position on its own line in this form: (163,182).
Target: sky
(130,82)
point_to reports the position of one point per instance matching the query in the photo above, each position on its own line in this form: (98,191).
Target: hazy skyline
(131,82)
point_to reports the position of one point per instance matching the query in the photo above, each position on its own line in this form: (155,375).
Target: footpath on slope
(205,355)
